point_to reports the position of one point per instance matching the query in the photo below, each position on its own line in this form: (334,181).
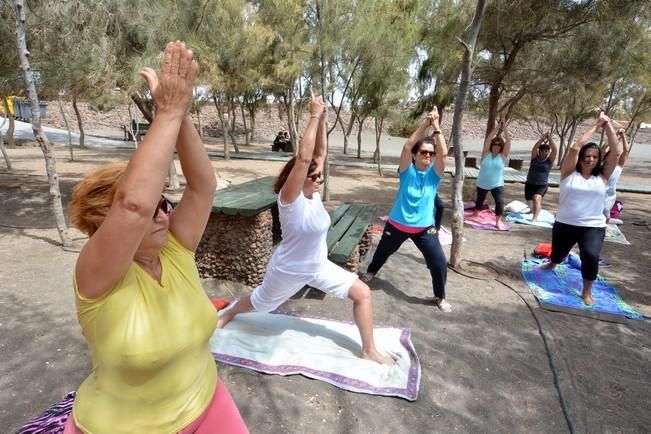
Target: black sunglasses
(426,153)
(316,178)
(164,205)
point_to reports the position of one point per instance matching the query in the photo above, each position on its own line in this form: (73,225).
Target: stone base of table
(236,248)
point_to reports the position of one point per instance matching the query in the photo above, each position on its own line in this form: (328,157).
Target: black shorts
(531,189)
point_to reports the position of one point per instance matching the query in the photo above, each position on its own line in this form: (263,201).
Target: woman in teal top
(491,172)
(422,163)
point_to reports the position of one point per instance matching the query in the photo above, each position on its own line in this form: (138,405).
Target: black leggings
(498,196)
(590,240)
(427,242)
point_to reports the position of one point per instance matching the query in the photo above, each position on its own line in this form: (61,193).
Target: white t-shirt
(581,201)
(611,188)
(304,223)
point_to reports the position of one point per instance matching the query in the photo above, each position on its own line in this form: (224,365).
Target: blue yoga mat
(560,289)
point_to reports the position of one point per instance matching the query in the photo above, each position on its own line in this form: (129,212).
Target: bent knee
(359,291)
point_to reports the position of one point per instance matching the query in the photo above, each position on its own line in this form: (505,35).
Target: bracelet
(436,132)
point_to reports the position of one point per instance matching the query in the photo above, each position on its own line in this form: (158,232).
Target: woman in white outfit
(302,256)
(579,218)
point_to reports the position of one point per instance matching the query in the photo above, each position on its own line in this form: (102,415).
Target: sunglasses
(164,205)
(496,144)
(316,178)
(427,153)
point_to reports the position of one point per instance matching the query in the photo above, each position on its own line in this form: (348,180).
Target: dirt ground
(485,367)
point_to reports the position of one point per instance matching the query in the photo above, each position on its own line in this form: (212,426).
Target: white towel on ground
(327,350)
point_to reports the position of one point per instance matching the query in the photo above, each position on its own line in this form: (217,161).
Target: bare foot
(378,357)
(475,213)
(443,305)
(587,299)
(500,225)
(547,266)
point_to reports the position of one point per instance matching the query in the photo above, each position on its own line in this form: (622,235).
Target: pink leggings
(221,416)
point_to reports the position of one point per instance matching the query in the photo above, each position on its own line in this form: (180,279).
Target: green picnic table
(239,237)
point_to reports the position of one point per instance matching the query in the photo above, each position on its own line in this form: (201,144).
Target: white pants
(278,286)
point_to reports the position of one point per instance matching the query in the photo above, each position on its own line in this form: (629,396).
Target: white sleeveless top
(581,201)
(304,224)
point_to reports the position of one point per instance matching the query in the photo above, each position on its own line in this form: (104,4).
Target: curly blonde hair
(93,196)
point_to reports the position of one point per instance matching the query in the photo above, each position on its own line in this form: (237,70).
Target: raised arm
(554,148)
(109,252)
(189,219)
(534,150)
(625,149)
(405,155)
(321,147)
(489,138)
(569,162)
(294,184)
(506,150)
(441,157)
(615,150)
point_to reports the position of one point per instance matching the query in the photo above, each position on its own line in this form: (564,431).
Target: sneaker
(366,277)
(615,221)
(443,305)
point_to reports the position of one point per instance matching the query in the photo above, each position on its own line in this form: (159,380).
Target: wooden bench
(138,129)
(239,237)
(349,237)
(515,163)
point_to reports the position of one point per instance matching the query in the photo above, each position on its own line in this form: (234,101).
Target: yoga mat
(484,221)
(318,348)
(545,218)
(51,421)
(560,290)
(615,235)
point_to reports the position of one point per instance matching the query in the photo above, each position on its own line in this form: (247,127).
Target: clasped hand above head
(172,90)
(317,106)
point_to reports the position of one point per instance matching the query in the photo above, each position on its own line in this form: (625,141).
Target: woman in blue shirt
(491,172)
(422,163)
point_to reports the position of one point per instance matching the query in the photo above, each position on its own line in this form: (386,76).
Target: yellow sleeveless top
(152,369)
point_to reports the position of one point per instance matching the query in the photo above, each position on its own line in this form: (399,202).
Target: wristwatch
(436,132)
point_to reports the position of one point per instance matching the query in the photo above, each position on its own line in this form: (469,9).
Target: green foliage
(402,124)
(109,101)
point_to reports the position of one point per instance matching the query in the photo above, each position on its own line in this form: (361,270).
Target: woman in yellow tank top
(140,304)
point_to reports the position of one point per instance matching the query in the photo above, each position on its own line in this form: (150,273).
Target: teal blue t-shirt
(414,203)
(491,172)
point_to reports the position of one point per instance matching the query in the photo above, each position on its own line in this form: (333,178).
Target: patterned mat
(560,289)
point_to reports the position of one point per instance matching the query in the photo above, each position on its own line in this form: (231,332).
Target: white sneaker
(616,221)
(366,277)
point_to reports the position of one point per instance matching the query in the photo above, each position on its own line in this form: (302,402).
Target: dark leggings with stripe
(590,240)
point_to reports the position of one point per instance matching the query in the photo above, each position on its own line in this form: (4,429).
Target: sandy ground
(485,368)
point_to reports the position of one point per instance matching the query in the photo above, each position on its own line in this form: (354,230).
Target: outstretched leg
(360,294)
(243,305)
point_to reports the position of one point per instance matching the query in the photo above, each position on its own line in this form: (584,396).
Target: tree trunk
(246,130)
(65,121)
(291,123)
(12,124)
(457,138)
(224,122)
(359,136)
(50,162)
(252,121)
(231,128)
(2,141)
(82,135)
(200,129)
(378,134)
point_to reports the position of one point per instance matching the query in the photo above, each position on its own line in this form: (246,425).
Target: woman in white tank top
(302,256)
(579,218)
